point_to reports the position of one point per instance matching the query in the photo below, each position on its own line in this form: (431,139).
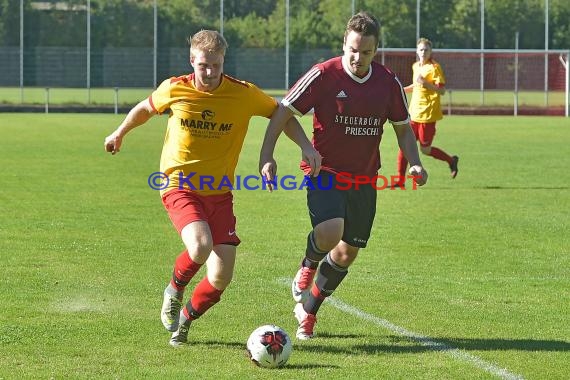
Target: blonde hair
(424,41)
(208,40)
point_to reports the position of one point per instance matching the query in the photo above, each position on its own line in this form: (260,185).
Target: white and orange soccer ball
(269,346)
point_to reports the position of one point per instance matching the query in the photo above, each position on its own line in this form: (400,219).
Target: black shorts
(357,207)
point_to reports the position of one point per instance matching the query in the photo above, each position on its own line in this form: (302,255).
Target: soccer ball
(269,346)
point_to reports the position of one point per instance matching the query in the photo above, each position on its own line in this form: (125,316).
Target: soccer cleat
(306,322)
(170,312)
(453,166)
(302,284)
(180,336)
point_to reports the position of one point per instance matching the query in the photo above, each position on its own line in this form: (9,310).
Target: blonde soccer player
(208,117)
(425,108)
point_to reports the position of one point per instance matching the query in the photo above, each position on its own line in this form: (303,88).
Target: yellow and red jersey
(425,105)
(206,130)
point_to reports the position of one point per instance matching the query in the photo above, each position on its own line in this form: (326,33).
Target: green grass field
(129,96)
(95,96)
(462,279)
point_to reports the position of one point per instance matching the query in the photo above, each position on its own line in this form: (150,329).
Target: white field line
(421,339)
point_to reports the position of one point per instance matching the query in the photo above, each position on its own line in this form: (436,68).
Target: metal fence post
(116,89)
(46,109)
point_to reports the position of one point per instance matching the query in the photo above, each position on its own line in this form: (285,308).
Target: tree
(398,20)
(242,8)
(9,23)
(503,19)
(464,26)
(559,25)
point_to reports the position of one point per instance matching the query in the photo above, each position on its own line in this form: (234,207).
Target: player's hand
(268,171)
(312,157)
(419,174)
(113,143)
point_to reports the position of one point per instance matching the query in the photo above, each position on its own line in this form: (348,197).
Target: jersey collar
(354,77)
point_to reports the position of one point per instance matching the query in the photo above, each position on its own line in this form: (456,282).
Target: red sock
(440,155)
(184,270)
(204,297)
(402,164)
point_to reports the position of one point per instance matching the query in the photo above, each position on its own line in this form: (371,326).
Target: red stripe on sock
(316,293)
(402,164)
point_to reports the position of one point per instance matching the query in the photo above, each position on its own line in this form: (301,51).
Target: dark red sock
(204,297)
(402,164)
(440,155)
(184,270)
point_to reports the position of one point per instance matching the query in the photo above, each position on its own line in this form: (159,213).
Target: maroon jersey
(349,113)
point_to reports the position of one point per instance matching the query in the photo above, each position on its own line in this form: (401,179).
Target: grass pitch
(466,278)
(130,96)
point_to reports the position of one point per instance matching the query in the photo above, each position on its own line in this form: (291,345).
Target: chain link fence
(40,52)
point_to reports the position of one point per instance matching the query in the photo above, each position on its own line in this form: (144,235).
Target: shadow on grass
(290,366)
(494,344)
(241,346)
(417,345)
(401,345)
(404,345)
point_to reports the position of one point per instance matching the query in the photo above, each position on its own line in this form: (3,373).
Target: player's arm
(310,155)
(440,88)
(281,120)
(267,164)
(437,87)
(407,142)
(137,116)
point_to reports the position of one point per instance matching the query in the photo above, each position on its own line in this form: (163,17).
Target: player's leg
(401,166)
(360,213)
(329,277)
(427,134)
(220,261)
(324,233)
(402,162)
(198,241)
(219,232)
(209,290)
(326,209)
(187,214)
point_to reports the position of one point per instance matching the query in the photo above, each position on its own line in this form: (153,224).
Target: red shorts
(425,132)
(185,207)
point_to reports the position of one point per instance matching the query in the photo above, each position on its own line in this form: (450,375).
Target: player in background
(209,114)
(352,98)
(425,108)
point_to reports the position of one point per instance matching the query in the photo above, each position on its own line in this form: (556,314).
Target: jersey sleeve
(398,110)
(160,98)
(301,97)
(264,105)
(438,76)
